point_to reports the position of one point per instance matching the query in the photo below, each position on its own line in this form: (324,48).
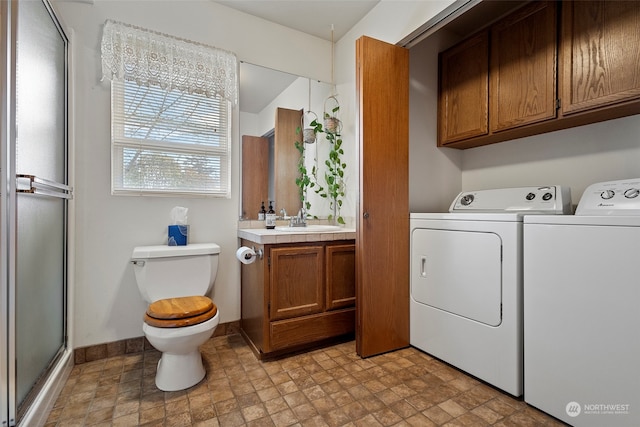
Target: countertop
(269,237)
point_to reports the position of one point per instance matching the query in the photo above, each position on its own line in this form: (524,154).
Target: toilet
(175,281)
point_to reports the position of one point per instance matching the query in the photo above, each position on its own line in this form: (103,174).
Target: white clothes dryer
(581,316)
(466,280)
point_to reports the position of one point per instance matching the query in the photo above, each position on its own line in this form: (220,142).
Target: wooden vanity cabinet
(298,295)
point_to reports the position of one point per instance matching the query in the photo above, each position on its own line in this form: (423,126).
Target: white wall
(108,306)
(575,157)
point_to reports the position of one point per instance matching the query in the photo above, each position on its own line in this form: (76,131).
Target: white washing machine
(582,309)
(466,280)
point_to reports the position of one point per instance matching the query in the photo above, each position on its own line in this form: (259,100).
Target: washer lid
(164,251)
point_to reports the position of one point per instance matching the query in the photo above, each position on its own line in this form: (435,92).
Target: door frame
(50,386)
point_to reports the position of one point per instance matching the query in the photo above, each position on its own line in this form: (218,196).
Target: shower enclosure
(34,204)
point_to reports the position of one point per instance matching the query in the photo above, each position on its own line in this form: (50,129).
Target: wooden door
(296,281)
(341,276)
(382,214)
(523,67)
(286,157)
(463,98)
(255,174)
(600,54)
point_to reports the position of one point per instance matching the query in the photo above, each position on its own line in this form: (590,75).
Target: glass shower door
(41,201)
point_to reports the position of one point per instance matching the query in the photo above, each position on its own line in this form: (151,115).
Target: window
(171,103)
(169,142)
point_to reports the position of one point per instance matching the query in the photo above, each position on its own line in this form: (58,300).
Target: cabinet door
(523,67)
(296,281)
(600,53)
(463,110)
(382,214)
(341,276)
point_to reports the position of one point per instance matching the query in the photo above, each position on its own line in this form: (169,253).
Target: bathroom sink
(316,228)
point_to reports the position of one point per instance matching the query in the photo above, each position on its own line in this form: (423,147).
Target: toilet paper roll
(245,255)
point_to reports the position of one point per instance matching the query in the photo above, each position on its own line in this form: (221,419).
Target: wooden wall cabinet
(298,295)
(601,54)
(536,87)
(500,78)
(523,67)
(463,104)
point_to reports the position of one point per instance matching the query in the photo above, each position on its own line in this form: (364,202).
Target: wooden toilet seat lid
(178,312)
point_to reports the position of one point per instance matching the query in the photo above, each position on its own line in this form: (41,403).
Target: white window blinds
(169,142)
(170,113)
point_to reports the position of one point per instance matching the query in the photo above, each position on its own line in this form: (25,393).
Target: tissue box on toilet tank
(178,235)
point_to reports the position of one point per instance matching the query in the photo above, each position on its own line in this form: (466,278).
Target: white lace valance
(153,59)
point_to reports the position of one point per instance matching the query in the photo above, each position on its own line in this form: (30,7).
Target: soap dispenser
(270,217)
(261,213)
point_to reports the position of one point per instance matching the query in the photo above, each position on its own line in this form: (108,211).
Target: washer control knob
(607,194)
(547,196)
(530,196)
(632,193)
(467,199)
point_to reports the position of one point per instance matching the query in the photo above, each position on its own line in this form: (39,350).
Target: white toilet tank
(175,271)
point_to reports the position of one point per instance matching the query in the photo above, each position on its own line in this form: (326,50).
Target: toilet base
(179,371)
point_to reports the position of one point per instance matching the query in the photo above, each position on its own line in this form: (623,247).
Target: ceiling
(313,17)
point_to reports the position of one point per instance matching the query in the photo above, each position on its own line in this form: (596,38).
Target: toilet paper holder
(258,254)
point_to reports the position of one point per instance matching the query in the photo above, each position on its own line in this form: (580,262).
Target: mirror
(273,105)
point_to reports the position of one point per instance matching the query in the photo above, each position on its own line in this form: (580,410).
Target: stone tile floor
(326,387)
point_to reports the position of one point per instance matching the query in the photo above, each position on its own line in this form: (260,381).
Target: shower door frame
(46,387)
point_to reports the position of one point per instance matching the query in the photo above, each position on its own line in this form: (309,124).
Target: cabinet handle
(365,215)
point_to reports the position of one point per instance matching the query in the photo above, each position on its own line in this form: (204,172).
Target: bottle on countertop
(262,213)
(270,217)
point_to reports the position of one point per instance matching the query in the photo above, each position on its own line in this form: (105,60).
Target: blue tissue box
(178,235)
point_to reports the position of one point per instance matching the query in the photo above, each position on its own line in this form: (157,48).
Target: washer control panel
(611,198)
(552,199)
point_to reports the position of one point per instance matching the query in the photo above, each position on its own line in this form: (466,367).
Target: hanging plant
(309,134)
(305,180)
(333,188)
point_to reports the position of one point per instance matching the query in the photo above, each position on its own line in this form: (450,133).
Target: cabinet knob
(365,215)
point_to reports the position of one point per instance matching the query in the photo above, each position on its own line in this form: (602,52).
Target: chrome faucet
(300,220)
(283,212)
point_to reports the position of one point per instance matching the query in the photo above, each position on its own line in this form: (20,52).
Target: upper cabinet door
(382,238)
(600,53)
(463,101)
(523,67)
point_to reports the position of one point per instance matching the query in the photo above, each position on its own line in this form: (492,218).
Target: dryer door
(459,272)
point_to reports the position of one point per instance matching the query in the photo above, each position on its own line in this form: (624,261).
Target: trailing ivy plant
(334,174)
